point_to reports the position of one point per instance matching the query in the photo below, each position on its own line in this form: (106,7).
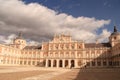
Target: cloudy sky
(39,20)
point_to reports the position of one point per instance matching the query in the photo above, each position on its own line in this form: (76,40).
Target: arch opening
(49,63)
(72,63)
(60,63)
(54,63)
(66,63)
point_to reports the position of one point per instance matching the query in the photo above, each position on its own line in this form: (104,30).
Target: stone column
(101,63)
(51,62)
(57,63)
(27,62)
(76,54)
(46,63)
(76,63)
(69,63)
(90,63)
(36,62)
(63,63)
(107,63)
(96,63)
(12,61)
(31,62)
(9,60)
(18,62)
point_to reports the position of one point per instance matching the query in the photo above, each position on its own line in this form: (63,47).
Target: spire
(115,29)
(115,32)
(19,35)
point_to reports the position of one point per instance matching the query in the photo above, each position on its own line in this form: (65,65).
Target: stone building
(63,52)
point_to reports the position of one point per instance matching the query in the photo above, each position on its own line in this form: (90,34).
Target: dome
(115,33)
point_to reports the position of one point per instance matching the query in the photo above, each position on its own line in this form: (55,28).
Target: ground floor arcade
(61,63)
(78,63)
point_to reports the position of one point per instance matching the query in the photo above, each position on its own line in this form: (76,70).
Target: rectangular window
(104,63)
(20,62)
(93,63)
(29,62)
(99,63)
(33,62)
(110,63)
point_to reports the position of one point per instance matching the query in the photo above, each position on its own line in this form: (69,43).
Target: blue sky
(100,9)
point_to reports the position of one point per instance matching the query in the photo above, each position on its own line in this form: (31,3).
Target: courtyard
(38,73)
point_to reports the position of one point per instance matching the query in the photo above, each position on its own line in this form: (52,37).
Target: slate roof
(99,45)
(33,47)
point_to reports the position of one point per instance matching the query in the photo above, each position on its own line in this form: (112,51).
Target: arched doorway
(72,64)
(29,62)
(41,63)
(44,62)
(54,63)
(49,63)
(79,63)
(60,63)
(66,63)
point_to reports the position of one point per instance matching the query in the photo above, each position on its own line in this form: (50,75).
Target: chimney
(97,41)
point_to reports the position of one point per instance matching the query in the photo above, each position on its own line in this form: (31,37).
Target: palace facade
(63,52)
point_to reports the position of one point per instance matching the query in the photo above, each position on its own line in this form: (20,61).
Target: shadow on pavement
(100,68)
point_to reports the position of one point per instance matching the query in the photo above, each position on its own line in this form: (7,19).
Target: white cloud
(7,39)
(32,43)
(40,23)
(104,35)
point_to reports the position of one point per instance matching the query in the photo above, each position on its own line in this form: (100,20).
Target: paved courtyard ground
(37,73)
(89,74)
(29,73)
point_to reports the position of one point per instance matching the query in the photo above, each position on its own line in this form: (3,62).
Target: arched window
(115,38)
(56,46)
(72,46)
(56,54)
(67,46)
